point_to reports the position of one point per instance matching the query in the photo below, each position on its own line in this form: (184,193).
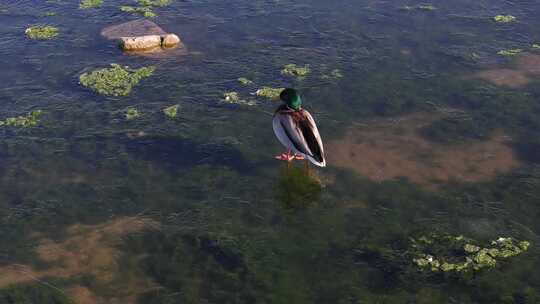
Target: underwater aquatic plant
(132,113)
(41,32)
(269,92)
(30,120)
(116,80)
(510,52)
(244,81)
(171,111)
(459,254)
(504,18)
(145,11)
(86,4)
(232,97)
(294,70)
(145,7)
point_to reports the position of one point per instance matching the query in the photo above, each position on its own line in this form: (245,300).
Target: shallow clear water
(98,209)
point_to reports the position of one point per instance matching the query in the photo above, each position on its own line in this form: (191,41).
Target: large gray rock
(144,37)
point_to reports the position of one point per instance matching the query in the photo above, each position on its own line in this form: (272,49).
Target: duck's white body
(297,131)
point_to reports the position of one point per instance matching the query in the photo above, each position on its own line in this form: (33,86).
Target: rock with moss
(504,18)
(244,81)
(132,113)
(41,32)
(269,92)
(171,111)
(294,70)
(446,253)
(509,52)
(30,120)
(87,4)
(116,80)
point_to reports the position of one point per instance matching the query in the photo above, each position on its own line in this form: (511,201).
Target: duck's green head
(291,98)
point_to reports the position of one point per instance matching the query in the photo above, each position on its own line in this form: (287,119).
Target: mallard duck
(296,130)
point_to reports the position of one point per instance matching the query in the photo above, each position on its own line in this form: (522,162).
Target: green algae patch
(445,253)
(234,98)
(269,92)
(294,70)
(244,81)
(535,46)
(30,120)
(145,7)
(41,32)
(334,74)
(145,11)
(116,80)
(132,113)
(171,111)
(87,4)
(50,14)
(504,18)
(509,52)
(422,7)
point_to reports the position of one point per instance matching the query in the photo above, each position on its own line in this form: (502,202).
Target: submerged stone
(116,80)
(504,18)
(41,32)
(171,111)
(86,4)
(268,92)
(30,120)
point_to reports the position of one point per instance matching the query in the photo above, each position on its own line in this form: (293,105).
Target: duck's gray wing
(290,134)
(312,138)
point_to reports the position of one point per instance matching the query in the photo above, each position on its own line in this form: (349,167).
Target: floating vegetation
(294,70)
(145,7)
(269,92)
(116,80)
(171,111)
(132,113)
(30,120)
(41,32)
(423,7)
(244,81)
(504,18)
(231,97)
(510,52)
(334,74)
(447,253)
(86,4)
(234,98)
(50,14)
(145,11)
(535,46)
